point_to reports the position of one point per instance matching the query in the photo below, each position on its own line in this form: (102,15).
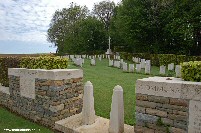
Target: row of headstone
(136,60)
(171,67)
(78,61)
(117,57)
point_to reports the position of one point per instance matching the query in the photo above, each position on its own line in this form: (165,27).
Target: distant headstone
(138,68)
(111,63)
(100,58)
(131,67)
(142,63)
(125,67)
(162,70)
(93,62)
(121,63)
(118,64)
(178,71)
(171,66)
(147,69)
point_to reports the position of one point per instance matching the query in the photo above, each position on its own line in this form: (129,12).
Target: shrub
(44,62)
(165,59)
(5,63)
(191,71)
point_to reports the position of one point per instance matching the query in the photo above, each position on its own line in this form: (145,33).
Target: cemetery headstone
(138,68)
(162,70)
(131,67)
(93,62)
(125,67)
(178,71)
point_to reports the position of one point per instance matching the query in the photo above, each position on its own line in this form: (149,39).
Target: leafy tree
(104,11)
(91,36)
(62,27)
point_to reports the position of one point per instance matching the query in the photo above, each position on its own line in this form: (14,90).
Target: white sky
(28,20)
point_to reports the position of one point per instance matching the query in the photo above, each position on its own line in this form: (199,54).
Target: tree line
(135,26)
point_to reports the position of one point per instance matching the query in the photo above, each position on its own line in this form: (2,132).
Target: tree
(91,36)
(104,11)
(62,27)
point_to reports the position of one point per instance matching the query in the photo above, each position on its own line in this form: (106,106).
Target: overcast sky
(24,23)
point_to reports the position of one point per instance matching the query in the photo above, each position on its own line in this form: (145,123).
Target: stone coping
(74,124)
(4,89)
(172,80)
(169,87)
(54,74)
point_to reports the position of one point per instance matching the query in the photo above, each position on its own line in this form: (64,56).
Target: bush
(44,62)
(165,59)
(5,63)
(191,71)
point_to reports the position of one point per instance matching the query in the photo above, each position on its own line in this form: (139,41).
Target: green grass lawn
(10,121)
(104,79)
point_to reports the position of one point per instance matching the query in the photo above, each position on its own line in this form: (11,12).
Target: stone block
(179,102)
(156,112)
(145,118)
(167,121)
(175,107)
(140,109)
(176,112)
(194,125)
(177,117)
(177,130)
(180,124)
(158,99)
(145,104)
(141,129)
(141,97)
(56,108)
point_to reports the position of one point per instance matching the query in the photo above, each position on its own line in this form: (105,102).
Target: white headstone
(118,64)
(162,69)
(111,63)
(88,112)
(100,58)
(93,62)
(121,63)
(125,67)
(131,67)
(116,124)
(142,63)
(138,68)
(178,71)
(147,69)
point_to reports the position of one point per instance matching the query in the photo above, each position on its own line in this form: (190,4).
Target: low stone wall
(44,96)
(168,105)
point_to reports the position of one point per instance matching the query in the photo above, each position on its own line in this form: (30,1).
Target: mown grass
(10,121)
(104,79)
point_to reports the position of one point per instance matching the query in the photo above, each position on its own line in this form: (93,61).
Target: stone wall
(168,105)
(44,96)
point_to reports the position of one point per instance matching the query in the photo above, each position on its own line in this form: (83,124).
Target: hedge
(160,59)
(191,71)
(5,63)
(42,62)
